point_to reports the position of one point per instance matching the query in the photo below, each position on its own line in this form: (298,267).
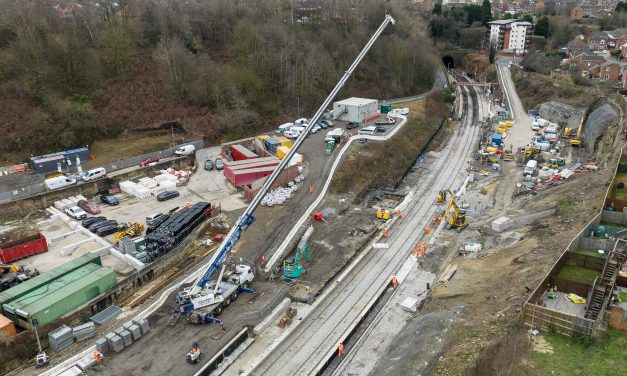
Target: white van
(535,126)
(284,128)
(369,131)
(530,168)
(185,150)
(59,182)
(301,121)
(94,174)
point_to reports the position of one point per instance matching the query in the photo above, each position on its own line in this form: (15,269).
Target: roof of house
(592,58)
(356,101)
(505,22)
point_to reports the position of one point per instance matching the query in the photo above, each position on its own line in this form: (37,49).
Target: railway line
(314,341)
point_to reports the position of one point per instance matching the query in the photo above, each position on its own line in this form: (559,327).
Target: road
(315,339)
(523,133)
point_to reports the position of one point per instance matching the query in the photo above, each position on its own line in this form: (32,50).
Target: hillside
(72,73)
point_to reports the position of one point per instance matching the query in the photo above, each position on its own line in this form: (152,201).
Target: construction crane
(576,140)
(455,216)
(207,297)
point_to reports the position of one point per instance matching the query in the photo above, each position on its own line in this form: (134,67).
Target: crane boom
(246,219)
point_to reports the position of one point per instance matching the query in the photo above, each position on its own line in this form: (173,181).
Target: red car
(91,208)
(147,162)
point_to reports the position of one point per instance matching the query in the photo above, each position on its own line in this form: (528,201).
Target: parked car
(76,212)
(110,200)
(95,174)
(208,165)
(219,164)
(90,221)
(386,121)
(90,208)
(167,195)
(95,226)
(316,128)
(147,162)
(111,229)
(380,128)
(323,124)
(351,125)
(153,218)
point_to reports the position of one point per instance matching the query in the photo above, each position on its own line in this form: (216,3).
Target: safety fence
(161,154)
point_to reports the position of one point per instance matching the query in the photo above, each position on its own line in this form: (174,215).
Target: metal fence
(33,189)
(162,154)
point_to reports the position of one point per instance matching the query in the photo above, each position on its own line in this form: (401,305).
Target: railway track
(307,349)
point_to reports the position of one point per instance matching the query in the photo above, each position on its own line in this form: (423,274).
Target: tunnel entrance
(448,61)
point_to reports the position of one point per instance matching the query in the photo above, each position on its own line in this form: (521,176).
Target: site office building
(511,36)
(356,110)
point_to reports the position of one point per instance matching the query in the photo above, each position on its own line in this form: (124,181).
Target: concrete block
(102,345)
(409,304)
(136,332)
(117,343)
(501,224)
(127,338)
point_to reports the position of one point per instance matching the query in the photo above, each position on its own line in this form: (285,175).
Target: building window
(607,76)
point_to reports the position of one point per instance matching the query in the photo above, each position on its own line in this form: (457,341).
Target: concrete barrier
(276,312)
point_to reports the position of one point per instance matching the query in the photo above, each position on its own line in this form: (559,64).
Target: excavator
(455,216)
(292,267)
(441,197)
(576,139)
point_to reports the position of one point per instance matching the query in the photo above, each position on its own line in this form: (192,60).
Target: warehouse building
(356,110)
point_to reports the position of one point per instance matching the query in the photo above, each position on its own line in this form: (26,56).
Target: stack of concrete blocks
(134,329)
(501,224)
(126,336)
(114,341)
(143,324)
(84,331)
(61,338)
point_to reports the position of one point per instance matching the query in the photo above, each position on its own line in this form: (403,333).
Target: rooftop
(356,101)
(505,22)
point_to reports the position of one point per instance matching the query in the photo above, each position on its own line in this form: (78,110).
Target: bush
(447,95)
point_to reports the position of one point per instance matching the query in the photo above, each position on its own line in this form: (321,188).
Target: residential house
(625,79)
(623,51)
(610,71)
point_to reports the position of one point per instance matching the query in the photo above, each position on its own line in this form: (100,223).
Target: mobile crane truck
(207,297)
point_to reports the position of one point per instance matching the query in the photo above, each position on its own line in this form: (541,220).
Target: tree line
(247,61)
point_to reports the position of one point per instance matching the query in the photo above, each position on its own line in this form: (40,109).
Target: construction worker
(439,218)
(97,356)
(340,349)
(394,282)
(311,189)
(398,212)
(434,219)
(427,229)
(385,232)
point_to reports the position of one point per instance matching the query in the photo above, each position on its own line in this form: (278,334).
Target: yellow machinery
(455,216)
(576,139)
(133,230)
(5,268)
(441,197)
(508,155)
(529,151)
(384,214)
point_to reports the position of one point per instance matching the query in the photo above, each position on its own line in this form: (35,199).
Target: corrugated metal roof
(254,170)
(244,150)
(44,278)
(354,101)
(248,161)
(254,165)
(106,315)
(51,287)
(103,278)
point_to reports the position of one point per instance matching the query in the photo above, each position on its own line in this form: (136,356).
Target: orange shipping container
(7,327)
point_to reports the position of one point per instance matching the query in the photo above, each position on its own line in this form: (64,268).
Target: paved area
(315,338)
(521,132)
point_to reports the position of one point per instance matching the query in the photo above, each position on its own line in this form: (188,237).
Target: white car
(535,126)
(316,129)
(76,212)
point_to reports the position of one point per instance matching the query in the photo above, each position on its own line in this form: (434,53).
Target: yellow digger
(384,214)
(576,139)
(455,216)
(133,230)
(441,197)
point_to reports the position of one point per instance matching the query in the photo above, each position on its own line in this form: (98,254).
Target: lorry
(236,279)
(539,143)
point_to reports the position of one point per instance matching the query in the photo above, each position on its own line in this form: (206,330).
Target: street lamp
(42,359)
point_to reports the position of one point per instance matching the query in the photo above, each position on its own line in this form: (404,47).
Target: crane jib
(227,246)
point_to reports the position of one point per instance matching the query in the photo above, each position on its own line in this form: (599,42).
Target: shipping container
(245,177)
(497,138)
(282,151)
(239,152)
(45,164)
(271,144)
(264,163)
(7,327)
(262,137)
(72,154)
(23,248)
(26,287)
(53,306)
(284,141)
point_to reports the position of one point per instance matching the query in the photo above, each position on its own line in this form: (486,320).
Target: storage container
(271,144)
(7,327)
(24,288)
(239,152)
(282,151)
(23,248)
(284,141)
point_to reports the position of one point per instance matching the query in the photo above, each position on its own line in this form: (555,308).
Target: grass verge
(590,252)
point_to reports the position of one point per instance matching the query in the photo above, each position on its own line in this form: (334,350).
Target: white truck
(218,297)
(59,182)
(530,168)
(185,150)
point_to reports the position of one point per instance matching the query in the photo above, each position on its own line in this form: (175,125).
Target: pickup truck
(386,121)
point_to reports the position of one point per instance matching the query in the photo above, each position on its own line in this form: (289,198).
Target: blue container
(497,139)
(271,144)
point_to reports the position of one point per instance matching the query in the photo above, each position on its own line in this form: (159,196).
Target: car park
(76,212)
(94,227)
(90,221)
(167,195)
(219,164)
(90,208)
(110,200)
(208,165)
